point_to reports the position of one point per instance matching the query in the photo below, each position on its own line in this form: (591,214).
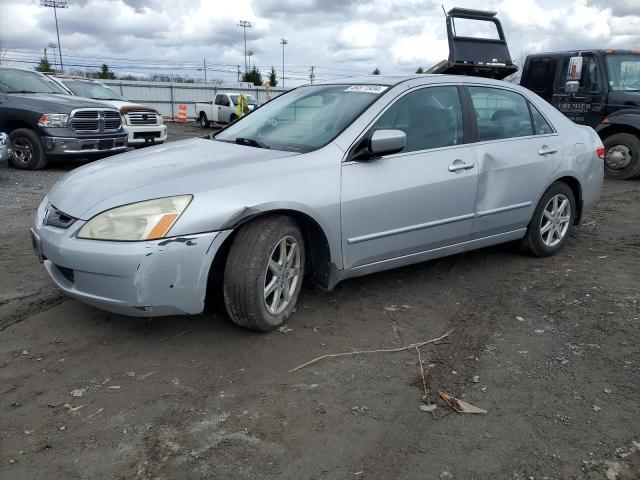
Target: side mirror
(572,86)
(386,142)
(574,71)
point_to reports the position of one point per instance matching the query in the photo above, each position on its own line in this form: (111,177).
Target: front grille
(95,121)
(56,218)
(142,118)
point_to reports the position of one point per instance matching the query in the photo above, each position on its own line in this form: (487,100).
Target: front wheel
(264,272)
(552,221)
(233,118)
(622,157)
(28,152)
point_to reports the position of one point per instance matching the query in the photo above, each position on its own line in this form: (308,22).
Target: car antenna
(443,9)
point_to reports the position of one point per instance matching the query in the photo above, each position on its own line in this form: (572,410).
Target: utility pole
(204,64)
(283,42)
(56,5)
(311,74)
(238,73)
(245,24)
(53,47)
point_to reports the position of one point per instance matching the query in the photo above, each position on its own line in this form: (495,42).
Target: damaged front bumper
(141,279)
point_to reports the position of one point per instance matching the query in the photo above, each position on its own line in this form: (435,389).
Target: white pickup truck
(223,109)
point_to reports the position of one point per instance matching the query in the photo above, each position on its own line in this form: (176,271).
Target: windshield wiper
(251,142)
(21,91)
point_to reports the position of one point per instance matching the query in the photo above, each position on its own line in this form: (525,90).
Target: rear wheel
(28,152)
(204,121)
(622,157)
(552,221)
(264,272)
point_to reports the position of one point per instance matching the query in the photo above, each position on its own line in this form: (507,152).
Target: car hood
(92,188)
(56,103)
(125,106)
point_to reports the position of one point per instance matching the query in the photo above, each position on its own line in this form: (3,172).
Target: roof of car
(392,80)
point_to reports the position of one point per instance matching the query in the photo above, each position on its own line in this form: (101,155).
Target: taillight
(600,152)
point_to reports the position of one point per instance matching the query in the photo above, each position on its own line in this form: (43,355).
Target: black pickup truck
(45,123)
(598,88)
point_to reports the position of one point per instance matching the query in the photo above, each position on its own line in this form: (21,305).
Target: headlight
(159,117)
(138,221)
(53,120)
(123,119)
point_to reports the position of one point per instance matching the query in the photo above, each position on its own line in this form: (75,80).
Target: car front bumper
(140,279)
(61,146)
(145,135)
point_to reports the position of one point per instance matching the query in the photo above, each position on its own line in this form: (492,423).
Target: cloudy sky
(338,37)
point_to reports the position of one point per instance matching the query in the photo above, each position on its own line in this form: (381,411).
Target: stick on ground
(358,352)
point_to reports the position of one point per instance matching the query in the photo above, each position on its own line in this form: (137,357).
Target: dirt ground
(549,347)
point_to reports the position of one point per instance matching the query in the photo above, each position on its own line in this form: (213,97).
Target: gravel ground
(549,347)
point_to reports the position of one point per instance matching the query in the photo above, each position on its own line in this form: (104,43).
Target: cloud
(338,37)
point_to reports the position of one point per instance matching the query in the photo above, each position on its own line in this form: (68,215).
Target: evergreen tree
(253,76)
(44,66)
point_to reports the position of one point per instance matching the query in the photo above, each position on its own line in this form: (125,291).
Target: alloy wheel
(282,275)
(22,150)
(556,218)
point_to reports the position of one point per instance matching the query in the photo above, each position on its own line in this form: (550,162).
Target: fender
(626,117)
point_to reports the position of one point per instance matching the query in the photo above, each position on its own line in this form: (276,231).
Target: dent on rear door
(511,176)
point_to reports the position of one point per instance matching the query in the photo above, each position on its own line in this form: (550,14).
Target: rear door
(419,199)
(518,151)
(586,106)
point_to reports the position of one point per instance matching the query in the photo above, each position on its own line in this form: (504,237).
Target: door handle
(460,165)
(546,150)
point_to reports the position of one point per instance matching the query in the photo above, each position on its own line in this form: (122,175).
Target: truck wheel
(204,121)
(552,221)
(264,271)
(622,157)
(233,118)
(28,153)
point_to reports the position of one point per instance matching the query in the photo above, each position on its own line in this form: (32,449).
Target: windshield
(93,90)
(303,119)
(23,81)
(624,72)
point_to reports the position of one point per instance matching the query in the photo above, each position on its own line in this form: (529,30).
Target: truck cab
(223,108)
(597,88)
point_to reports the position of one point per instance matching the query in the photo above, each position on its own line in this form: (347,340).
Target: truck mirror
(572,86)
(575,69)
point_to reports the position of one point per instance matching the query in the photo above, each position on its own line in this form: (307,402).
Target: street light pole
(245,24)
(283,42)
(56,5)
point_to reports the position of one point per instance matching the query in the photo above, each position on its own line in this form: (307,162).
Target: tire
(233,118)
(247,273)
(204,122)
(622,157)
(28,152)
(541,244)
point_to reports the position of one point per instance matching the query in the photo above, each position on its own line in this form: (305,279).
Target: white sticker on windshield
(366,88)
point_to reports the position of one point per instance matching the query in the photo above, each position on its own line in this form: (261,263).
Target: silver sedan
(326,182)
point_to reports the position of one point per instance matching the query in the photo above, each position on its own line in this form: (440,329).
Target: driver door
(420,199)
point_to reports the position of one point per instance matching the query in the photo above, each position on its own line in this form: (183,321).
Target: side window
(500,113)
(590,79)
(218,100)
(430,117)
(537,74)
(542,126)
(225,101)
